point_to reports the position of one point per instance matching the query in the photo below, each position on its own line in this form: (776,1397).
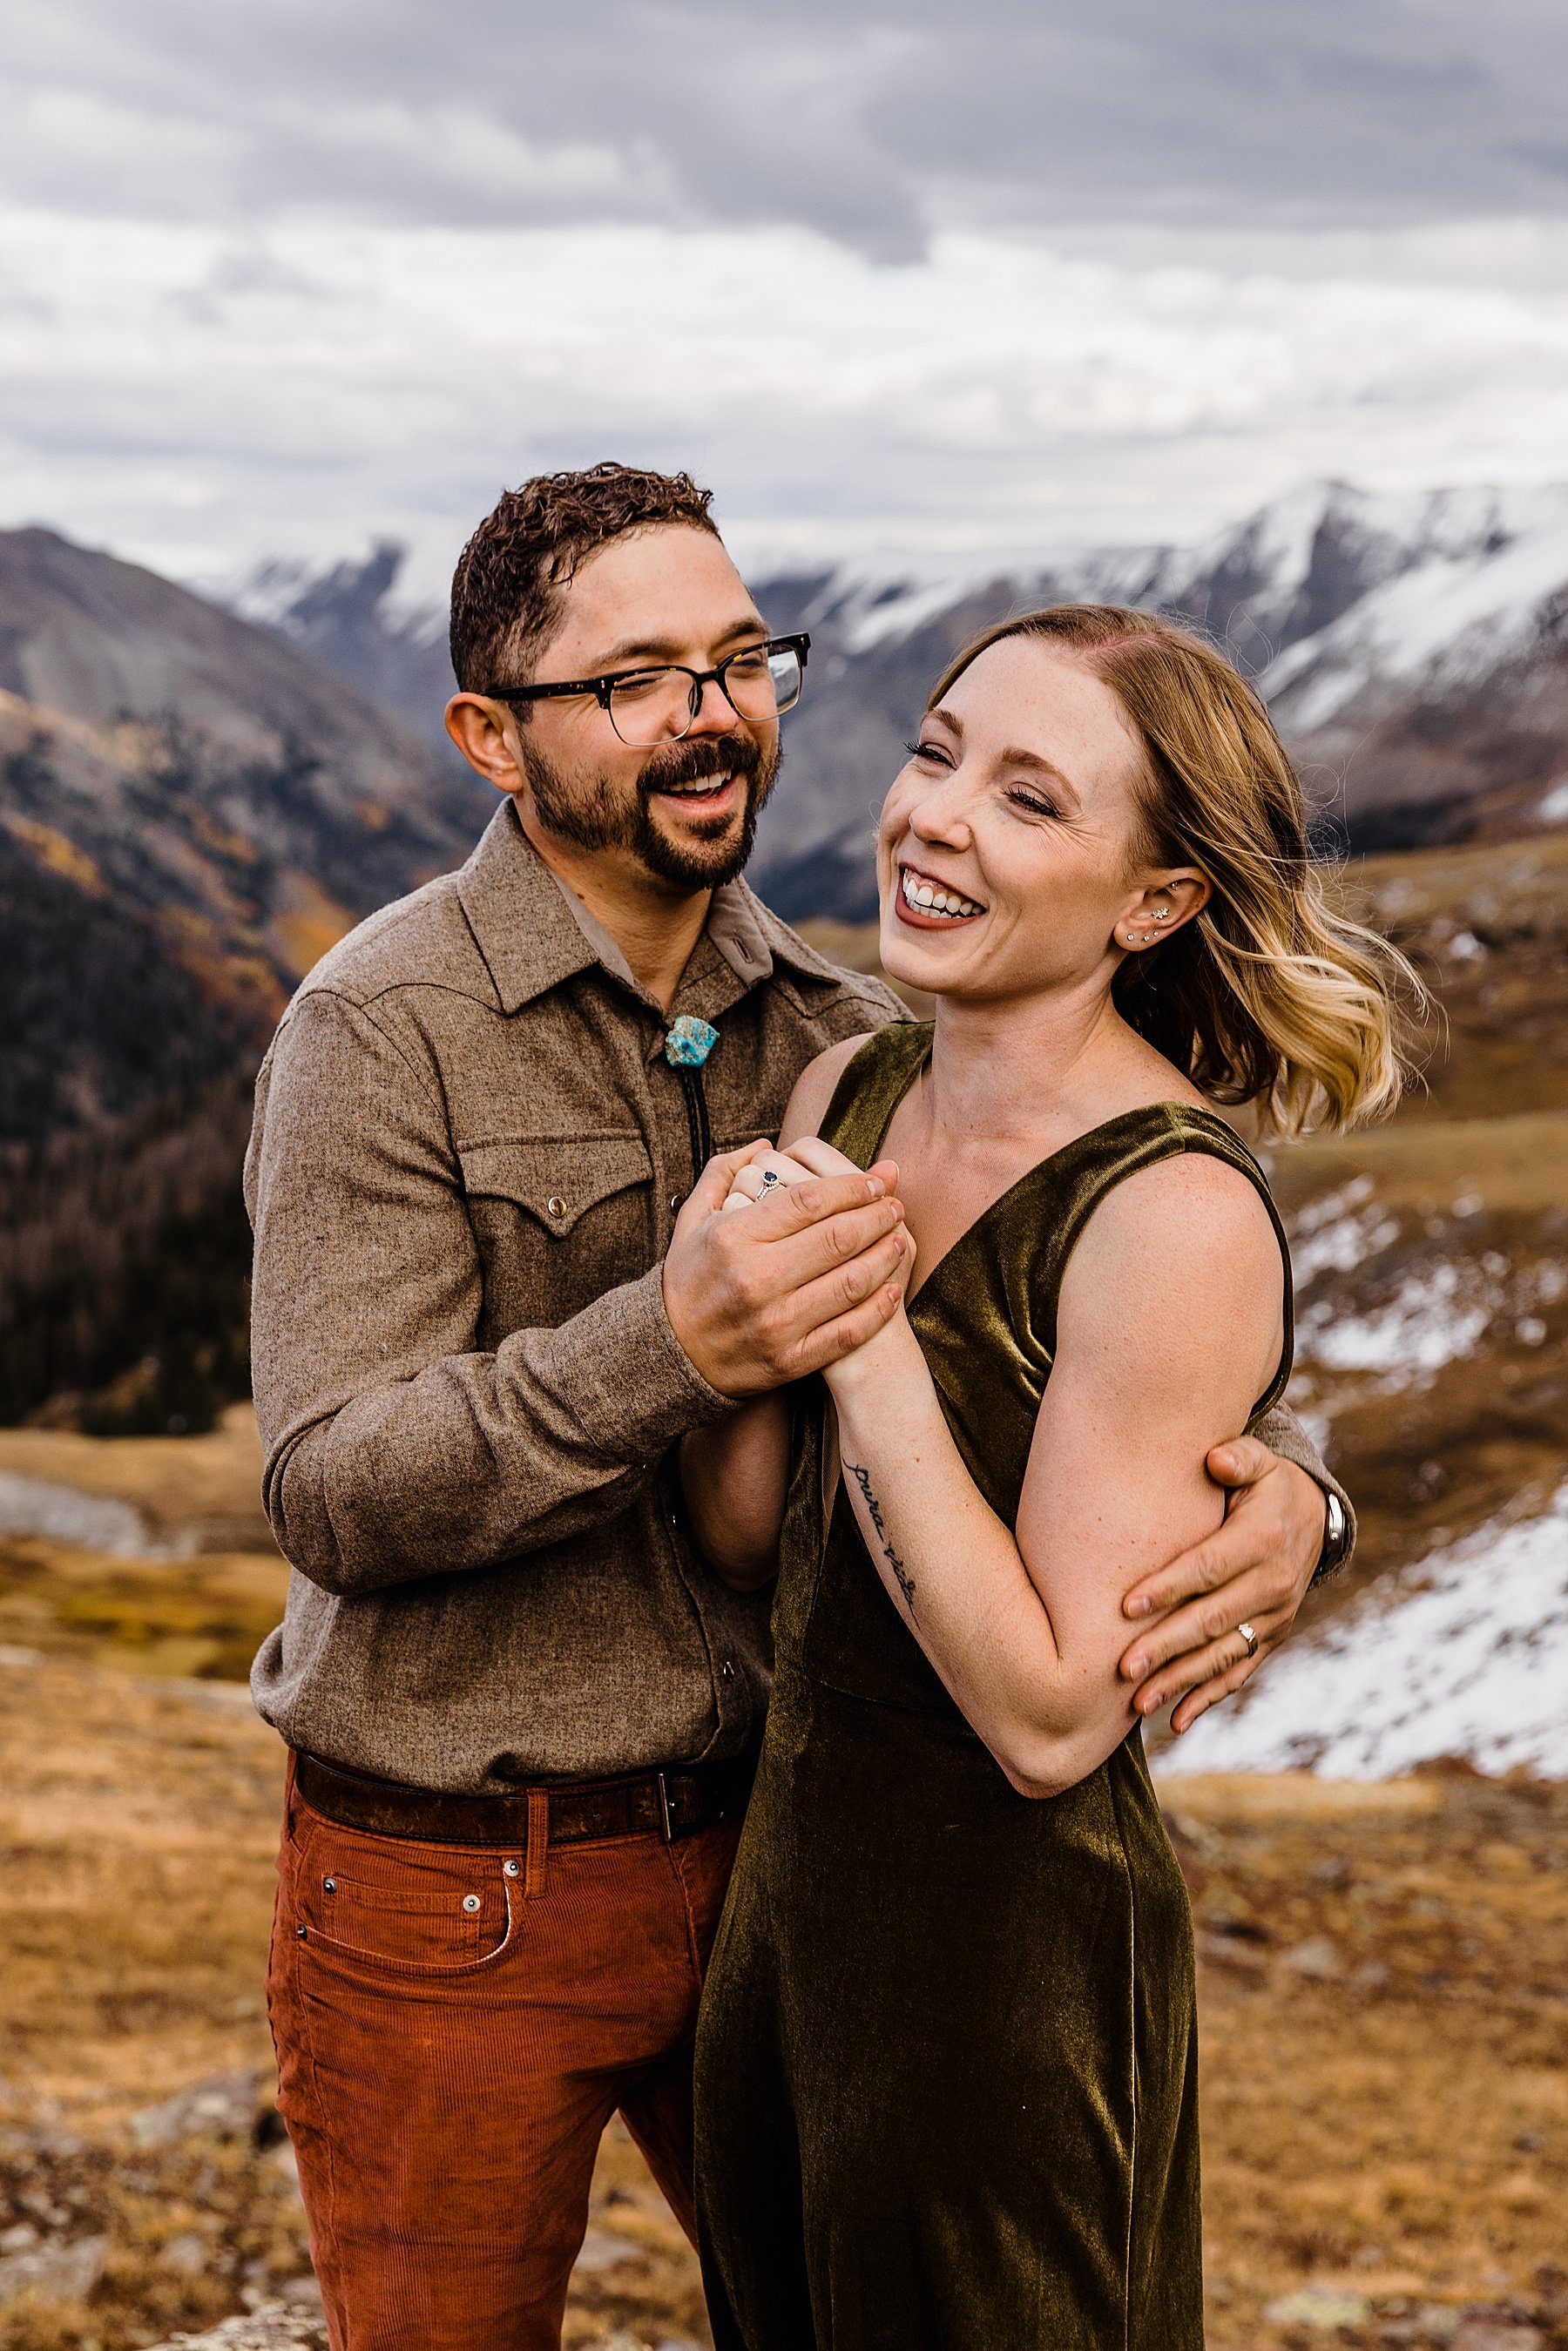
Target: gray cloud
(878,126)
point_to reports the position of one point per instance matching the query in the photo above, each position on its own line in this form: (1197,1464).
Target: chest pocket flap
(557,1178)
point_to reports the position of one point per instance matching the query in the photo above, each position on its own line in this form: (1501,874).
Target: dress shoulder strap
(1068,1187)
(874,1082)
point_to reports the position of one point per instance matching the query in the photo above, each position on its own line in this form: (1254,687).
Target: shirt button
(727,1671)
(675,1204)
(556,1205)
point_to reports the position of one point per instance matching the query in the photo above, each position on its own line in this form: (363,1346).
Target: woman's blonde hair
(1267,995)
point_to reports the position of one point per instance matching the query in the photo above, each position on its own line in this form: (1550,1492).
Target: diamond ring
(1250,1638)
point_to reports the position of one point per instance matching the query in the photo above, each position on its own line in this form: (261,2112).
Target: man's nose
(715,714)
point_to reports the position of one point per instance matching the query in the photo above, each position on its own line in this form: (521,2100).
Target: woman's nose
(940,816)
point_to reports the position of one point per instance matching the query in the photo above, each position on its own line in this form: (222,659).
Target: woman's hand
(767,1170)
(772,1171)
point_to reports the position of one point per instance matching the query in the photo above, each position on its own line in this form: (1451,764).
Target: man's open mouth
(927,902)
(699,789)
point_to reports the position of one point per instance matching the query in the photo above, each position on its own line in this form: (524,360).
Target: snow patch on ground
(1465,1654)
(1339,1232)
(31,1506)
(1432,1318)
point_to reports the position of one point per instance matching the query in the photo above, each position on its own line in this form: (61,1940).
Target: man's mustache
(689,763)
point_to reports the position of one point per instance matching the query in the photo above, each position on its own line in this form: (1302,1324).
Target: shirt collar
(534,932)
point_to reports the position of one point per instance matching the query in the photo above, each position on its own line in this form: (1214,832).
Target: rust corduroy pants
(454,2026)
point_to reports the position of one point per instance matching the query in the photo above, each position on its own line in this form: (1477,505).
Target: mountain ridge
(1412,646)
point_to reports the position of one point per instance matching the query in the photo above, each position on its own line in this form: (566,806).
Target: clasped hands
(819,1266)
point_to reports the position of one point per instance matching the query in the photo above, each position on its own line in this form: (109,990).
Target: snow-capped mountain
(1413,649)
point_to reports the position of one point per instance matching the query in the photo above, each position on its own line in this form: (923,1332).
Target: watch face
(1335,1525)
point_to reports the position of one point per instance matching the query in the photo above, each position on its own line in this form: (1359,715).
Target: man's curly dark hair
(505,590)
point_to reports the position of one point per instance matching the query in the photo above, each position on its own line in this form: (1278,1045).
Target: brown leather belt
(669,1804)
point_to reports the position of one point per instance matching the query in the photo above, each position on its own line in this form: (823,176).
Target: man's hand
(810,1273)
(1254,1570)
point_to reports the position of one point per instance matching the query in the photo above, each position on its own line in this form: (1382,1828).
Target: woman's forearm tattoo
(905,1580)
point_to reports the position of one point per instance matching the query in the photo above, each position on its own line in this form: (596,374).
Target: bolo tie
(688,1041)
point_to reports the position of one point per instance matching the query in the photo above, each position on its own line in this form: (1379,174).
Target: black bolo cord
(698,1124)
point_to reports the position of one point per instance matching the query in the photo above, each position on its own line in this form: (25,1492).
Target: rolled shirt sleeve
(1283,1433)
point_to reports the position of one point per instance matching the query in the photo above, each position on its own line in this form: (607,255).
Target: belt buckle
(666,1818)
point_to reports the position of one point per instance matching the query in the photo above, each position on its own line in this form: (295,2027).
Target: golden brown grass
(1384,2021)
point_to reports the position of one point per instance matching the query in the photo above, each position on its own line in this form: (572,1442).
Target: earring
(1161,914)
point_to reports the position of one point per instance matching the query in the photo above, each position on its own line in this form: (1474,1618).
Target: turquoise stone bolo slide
(689,1042)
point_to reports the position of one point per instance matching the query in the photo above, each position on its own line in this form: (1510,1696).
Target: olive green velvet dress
(945,2066)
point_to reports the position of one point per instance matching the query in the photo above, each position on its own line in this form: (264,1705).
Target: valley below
(1377,1853)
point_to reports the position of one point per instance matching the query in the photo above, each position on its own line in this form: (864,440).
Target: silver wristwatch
(1336,1537)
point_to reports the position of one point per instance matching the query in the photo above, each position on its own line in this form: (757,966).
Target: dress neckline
(1171,1112)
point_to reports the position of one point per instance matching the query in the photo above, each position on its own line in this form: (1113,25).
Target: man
(490,1294)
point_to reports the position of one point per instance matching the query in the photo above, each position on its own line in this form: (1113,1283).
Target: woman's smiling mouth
(928,904)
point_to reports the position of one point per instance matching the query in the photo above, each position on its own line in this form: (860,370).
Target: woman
(946,2065)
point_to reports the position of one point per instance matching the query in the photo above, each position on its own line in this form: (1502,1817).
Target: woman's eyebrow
(1015,757)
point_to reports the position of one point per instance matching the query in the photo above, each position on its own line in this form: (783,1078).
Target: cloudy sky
(280,276)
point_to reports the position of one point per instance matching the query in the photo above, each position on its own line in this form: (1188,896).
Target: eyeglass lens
(654,705)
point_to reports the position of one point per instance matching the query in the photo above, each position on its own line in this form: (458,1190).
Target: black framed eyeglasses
(660,706)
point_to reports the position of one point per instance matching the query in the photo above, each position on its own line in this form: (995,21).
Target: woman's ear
(1160,909)
(1178,897)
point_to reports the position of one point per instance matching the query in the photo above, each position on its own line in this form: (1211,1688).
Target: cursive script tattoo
(905,1580)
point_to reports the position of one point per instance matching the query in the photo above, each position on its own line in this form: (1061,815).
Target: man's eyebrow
(665,648)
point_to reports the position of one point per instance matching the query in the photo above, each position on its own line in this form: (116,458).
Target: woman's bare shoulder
(815,1088)
(1186,1243)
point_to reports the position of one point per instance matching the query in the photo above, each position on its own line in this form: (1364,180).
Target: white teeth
(933,901)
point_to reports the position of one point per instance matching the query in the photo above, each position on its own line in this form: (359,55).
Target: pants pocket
(423,1910)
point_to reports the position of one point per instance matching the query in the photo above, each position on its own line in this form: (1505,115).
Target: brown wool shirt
(467,1157)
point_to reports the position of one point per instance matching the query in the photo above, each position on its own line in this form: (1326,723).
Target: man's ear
(479,727)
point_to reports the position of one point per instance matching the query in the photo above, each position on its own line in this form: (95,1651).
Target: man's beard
(592,812)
